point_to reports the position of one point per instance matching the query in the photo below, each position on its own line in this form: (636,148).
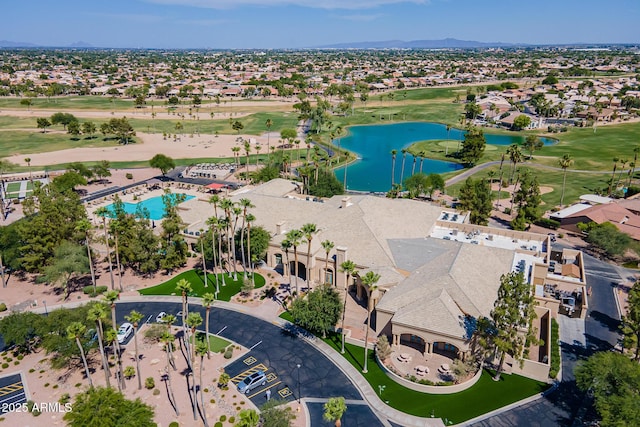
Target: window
(328,276)
(278,259)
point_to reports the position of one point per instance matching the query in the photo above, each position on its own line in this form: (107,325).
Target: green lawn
(216,344)
(24,142)
(196,279)
(485,396)
(86,102)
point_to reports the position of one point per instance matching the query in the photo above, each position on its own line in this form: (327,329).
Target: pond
(373,144)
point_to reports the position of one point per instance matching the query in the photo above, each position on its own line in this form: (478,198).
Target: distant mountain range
(9,43)
(418,44)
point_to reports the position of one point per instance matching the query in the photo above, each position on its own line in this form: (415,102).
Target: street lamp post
(46,312)
(298,365)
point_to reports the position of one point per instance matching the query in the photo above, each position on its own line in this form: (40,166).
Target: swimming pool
(153,206)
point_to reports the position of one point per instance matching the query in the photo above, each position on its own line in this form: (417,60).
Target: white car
(160,318)
(124,331)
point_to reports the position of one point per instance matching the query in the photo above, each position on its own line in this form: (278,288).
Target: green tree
(565,162)
(43,123)
(473,146)
(75,331)
(631,321)
(135,317)
(68,181)
(472,110)
(532,143)
(122,129)
(512,315)
(69,259)
(184,287)
(275,413)
(172,244)
(105,407)
(551,79)
(237,126)
(528,196)
(515,156)
(607,238)
(63,118)
(521,122)
(104,212)
(614,381)
(327,185)
(319,310)
(22,330)
(288,134)
(99,313)
(89,128)
(74,129)
(248,418)
(84,226)
(369,280)
(475,197)
(162,162)
(334,409)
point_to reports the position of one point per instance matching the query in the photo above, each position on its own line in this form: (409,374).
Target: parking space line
(243,375)
(263,390)
(11,388)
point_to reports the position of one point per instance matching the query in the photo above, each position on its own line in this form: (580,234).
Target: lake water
(373,145)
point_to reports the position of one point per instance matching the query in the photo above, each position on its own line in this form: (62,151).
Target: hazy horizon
(298,24)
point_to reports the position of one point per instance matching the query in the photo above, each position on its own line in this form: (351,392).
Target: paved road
(563,406)
(279,351)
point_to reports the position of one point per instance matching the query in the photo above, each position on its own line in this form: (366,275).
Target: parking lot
(12,392)
(249,364)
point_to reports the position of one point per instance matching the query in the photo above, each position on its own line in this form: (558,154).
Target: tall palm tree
(348,267)
(334,409)
(236,212)
(295,239)
(84,226)
(115,227)
(613,174)
(413,167)
(169,320)
(244,204)
(135,317)
(202,349)
(247,150)
(286,245)
(250,219)
(74,331)
(623,162)
(268,123)
(308,230)
(185,288)
(227,206)
(565,162)
(27,160)
(404,157)
(515,155)
(393,165)
(167,339)
(212,222)
(236,155)
(421,155)
(193,321)
(110,297)
(103,212)
(327,245)
(97,313)
(204,261)
(369,280)
(111,337)
(207,301)
(636,150)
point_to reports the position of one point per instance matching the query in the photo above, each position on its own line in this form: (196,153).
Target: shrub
(555,349)
(383,348)
(99,290)
(46,384)
(507,211)
(129,372)
(31,371)
(548,223)
(156,392)
(5,365)
(223,418)
(65,398)
(154,332)
(78,385)
(232,420)
(149,383)
(130,176)
(217,424)
(3,307)
(228,353)
(174,424)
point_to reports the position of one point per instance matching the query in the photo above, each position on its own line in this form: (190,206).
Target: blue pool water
(153,206)
(373,145)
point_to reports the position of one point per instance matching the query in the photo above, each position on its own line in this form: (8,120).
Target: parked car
(252,381)
(160,318)
(124,331)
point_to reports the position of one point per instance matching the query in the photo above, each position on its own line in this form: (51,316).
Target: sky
(262,24)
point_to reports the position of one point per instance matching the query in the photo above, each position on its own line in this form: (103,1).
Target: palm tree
(515,155)
(327,245)
(348,267)
(169,320)
(84,226)
(244,204)
(258,148)
(308,230)
(404,157)
(295,239)
(135,317)
(227,206)
(564,163)
(248,418)
(103,212)
(236,155)
(110,297)
(97,313)
(369,280)
(184,286)
(268,123)
(212,222)
(393,165)
(247,150)
(623,162)
(613,174)
(286,245)
(636,150)
(74,331)
(115,227)
(193,321)
(250,218)
(27,160)
(111,336)
(202,349)
(413,168)
(334,409)
(167,339)
(207,301)
(422,156)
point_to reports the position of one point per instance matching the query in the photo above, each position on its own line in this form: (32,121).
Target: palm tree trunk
(366,340)
(84,361)
(173,398)
(204,263)
(204,414)
(308,269)
(344,311)
(404,157)
(295,269)
(244,261)
(135,340)
(206,331)
(564,180)
(500,365)
(103,356)
(118,264)
(93,274)
(119,371)
(106,238)
(213,252)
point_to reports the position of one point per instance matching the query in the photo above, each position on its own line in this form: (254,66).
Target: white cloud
(316,4)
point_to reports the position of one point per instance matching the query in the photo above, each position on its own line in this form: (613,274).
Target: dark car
(252,381)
